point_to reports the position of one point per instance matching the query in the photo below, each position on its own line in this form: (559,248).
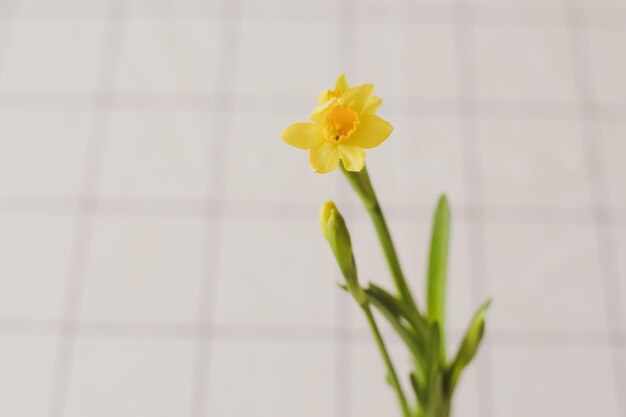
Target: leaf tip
(443,202)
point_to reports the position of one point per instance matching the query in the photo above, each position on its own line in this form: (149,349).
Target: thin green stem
(385,354)
(360,182)
(391,256)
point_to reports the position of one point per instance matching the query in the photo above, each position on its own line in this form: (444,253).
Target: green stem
(390,368)
(445,411)
(360,182)
(391,256)
(442,407)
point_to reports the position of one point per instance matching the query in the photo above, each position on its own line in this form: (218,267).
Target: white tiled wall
(160,251)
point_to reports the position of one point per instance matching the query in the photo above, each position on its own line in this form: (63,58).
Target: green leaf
(434,350)
(399,308)
(437,271)
(469,345)
(433,375)
(389,309)
(419,390)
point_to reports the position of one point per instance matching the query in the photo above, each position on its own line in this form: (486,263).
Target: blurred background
(160,248)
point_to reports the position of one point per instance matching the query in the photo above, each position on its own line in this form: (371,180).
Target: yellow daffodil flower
(344,123)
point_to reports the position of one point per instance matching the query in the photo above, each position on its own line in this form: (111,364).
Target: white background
(159,247)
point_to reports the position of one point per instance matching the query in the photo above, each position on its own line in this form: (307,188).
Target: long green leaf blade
(437,271)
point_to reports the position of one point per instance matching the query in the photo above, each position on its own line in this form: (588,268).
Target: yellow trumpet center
(339,123)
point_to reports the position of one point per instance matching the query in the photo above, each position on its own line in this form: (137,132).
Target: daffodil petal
(323,97)
(341,83)
(321,109)
(324,157)
(352,156)
(372,105)
(371,132)
(303,135)
(356,98)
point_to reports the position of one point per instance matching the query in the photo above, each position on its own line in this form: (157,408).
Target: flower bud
(336,232)
(327,208)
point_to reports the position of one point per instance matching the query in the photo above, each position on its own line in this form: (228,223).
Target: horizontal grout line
(285,104)
(304,334)
(192,207)
(253,209)
(296,210)
(509,338)
(366,11)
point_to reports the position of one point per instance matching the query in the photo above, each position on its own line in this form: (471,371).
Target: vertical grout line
(343,347)
(229,33)
(346,26)
(591,136)
(468,119)
(10,16)
(86,205)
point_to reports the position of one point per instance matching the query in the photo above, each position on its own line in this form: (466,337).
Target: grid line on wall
(592,138)
(469,112)
(229,31)
(84,215)
(347,44)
